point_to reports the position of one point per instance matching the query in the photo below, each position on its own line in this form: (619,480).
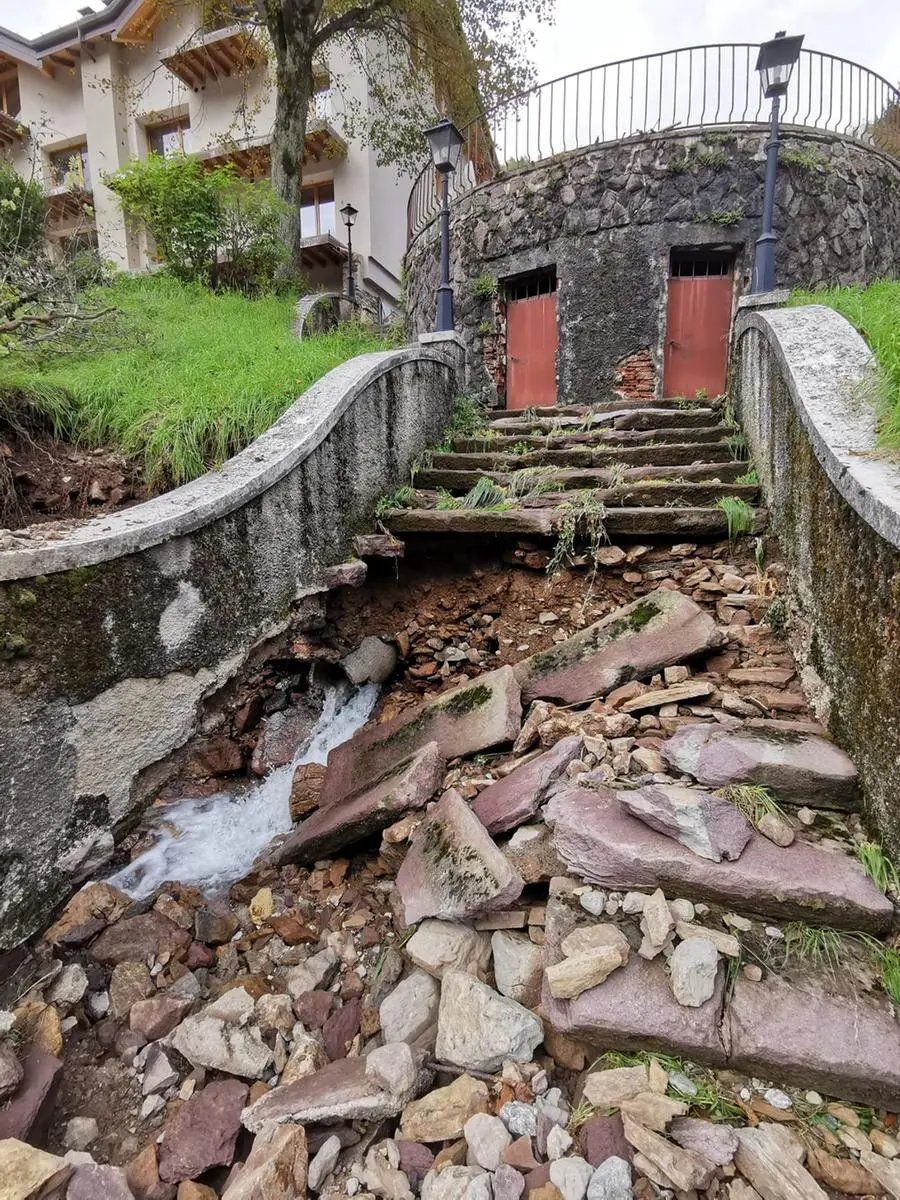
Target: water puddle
(213,842)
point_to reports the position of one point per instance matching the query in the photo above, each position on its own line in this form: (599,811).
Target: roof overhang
(11,131)
(323,143)
(324,250)
(218,55)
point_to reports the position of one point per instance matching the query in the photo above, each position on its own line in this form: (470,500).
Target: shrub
(22,209)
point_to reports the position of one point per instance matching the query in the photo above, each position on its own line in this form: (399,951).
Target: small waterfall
(212,842)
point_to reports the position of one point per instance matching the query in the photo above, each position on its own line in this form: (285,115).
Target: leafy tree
(22,212)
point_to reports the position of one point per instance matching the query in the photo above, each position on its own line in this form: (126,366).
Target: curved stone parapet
(113,633)
(803,383)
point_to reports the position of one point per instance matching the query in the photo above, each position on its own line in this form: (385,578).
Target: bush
(22,210)
(209,225)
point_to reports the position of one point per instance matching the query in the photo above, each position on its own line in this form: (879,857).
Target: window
(70,168)
(526,287)
(692,263)
(317,210)
(9,95)
(166,140)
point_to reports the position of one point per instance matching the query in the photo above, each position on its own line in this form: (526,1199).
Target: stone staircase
(656,469)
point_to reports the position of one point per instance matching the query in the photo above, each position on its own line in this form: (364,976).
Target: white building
(142,75)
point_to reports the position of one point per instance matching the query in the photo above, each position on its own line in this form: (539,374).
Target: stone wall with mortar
(606,218)
(113,635)
(802,383)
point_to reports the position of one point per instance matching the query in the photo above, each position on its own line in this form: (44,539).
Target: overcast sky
(589,32)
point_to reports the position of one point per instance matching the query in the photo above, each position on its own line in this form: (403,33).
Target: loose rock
(479,1029)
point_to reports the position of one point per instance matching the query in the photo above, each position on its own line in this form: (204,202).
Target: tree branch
(353,19)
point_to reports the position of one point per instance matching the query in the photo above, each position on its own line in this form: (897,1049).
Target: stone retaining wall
(802,383)
(113,634)
(606,218)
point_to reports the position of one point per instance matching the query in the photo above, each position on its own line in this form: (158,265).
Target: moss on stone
(466,701)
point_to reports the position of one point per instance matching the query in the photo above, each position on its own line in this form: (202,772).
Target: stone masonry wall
(112,637)
(607,217)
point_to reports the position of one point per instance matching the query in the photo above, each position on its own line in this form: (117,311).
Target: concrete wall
(111,637)
(607,217)
(802,382)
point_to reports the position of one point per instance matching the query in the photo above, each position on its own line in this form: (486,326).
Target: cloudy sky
(588,32)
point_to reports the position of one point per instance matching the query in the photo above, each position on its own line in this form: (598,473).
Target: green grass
(875,312)
(188,377)
(738,515)
(710,1099)
(752,800)
(879,868)
(403,497)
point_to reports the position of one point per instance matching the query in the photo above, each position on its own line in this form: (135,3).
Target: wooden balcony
(12,131)
(65,206)
(323,142)
(323,250)
(216,56)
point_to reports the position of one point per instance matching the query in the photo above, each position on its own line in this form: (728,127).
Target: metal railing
(695,87)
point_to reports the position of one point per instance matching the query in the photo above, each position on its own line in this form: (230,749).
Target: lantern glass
(445,142)
(349,213)
(776,62)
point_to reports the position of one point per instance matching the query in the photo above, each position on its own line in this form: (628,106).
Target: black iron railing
(696,87)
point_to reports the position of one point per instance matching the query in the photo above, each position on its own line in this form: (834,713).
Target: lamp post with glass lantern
(445,142)
(349,213)
(775,63)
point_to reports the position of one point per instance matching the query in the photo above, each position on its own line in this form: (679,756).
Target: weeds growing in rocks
(402,497)
(737,444)
(531,482)
(738,514)
(752,800)
(749,477)
(817,946)
(879,868)
(702,1090)
(468,420)
(616,472)
(776,616)
(583,515)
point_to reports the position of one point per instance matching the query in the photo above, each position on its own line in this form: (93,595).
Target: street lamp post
(349,213)
(445,142)
(775,64)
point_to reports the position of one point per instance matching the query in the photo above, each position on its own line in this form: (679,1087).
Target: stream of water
(212,842)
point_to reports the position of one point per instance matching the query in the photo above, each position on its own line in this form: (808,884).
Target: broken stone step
(648,522)
(612,404)
(660,494)
(585,477)
(637,418)
(600,842)
(671,453)
(506,443)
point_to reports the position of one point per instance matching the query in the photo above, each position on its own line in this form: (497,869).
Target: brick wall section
(635,375)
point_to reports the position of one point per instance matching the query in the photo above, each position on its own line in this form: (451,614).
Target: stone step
(635,418)
(502,444)
(612,404)
(584,477)
(647,522)
(670,454)
(686,495)
(600,842)
(805,1028)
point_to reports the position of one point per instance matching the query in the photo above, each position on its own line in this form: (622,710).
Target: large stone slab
(407,786)
(342,1091)
(634,1009)
(846,1046)
(597,839)
(203,1132)
(796,766)
(452,869)
(706,824)
(512,801)
(482,713)
(29,1109)
(275,1168)
(634,642)
(27,1172)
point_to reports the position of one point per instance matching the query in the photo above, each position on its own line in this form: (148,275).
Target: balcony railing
(699,87)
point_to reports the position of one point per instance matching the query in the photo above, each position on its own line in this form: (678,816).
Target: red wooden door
(531,341)
(697,324)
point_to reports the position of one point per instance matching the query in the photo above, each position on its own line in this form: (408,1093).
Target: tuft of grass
(484,494)
(446,500)
(815,945)
(583,516)
(616,472)
(403,497)
(752,800)
(738,514)
(875,312)
(710,1099)
(530,482)
(721,216)
(713,157)
(879,868)
(484,287)
(189,378)
(468,420)
(749,477)
(737,444)
(776,617)
(806,160)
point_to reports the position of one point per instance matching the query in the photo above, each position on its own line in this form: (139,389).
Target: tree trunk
(292,26)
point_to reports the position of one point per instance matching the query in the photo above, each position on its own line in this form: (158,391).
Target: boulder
(515,799)
(443,1113)
(571,1176)
(393,1067)
(33,1100)
(91,1181)
(275,1168)
(483,713)
(653,1110)
(341,1091)
(706,824)
(607,1089)
(598,840)
(438,946)
(341,1028)
(373,661)
(143,1177)
(203,1132)
(453,869)
(840,1044)
(408,786)
(411,1008)
(796,766)
(602,1136)
(306,789)
(693,970)
(324,1163)
(518,963)
(68,987)
(634,642)
(611,1180)
(452,1183)
(27,1173)
(90,910)
(211,1042)
(886,1171)
(129,983)
(479,1029)
(283,733)
(135,939)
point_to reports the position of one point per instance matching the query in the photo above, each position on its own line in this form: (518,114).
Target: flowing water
(212,842)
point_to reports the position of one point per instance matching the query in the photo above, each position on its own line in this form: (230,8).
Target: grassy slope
(875,311)
(191,377)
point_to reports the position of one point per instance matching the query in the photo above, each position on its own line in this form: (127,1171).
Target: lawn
(875,311)
(184,379)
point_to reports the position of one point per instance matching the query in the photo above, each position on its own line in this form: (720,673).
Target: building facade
(146,75)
